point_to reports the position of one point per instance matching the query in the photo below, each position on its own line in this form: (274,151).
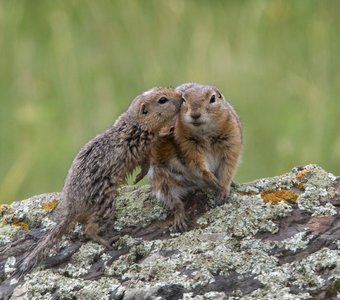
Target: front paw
(211,180)
(222,197)
(167,133)
(180,223)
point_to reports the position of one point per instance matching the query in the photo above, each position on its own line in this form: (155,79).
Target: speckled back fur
(103,164)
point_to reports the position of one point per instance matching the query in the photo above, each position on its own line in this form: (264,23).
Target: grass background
(69,68)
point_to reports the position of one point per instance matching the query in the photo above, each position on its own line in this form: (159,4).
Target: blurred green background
(69,68)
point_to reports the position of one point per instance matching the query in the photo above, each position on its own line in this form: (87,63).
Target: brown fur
(103,164)
(204,151)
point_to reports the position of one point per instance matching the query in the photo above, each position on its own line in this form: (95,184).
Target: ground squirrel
(204,150)
(103,164)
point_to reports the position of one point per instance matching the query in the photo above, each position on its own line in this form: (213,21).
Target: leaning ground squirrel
(204,150)
(103,164)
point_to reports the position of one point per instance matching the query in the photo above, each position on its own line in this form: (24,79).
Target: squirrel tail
(43,246)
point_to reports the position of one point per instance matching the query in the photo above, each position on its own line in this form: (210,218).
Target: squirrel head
(203,107)
(156,108)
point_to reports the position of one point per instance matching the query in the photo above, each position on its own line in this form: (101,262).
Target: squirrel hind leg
(100,219)
(92,230)
(172,201)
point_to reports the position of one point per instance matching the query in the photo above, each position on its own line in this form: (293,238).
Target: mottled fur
(204,151)
(103,164)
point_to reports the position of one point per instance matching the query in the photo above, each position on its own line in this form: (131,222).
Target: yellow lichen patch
(22,225)
(15,221)
(49,206)
(247,193)
(300,177)
(4,207)
(301,174)
(300,186)
(278,195)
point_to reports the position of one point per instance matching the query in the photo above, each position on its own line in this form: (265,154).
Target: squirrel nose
(195,115)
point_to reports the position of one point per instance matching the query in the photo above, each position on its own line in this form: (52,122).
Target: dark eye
(212,99)
(183,100)
(162,100)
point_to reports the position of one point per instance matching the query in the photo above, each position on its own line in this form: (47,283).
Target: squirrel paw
(105,243)
(180,223)
(211,180)
(113,239)
(167,133)
(223,194)
(221,197)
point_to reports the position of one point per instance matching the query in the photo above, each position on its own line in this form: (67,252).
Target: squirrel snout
(195,115)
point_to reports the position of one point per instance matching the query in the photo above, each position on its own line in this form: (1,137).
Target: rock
(274,238)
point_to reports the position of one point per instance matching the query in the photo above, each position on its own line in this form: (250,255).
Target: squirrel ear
(219,95)
(144,109)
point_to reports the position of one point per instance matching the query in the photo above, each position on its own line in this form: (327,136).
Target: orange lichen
(15,221)
(22,225)
(275,196)
(4,207)
(301,174)
(299,185)
(49,206)
(247,193)
(300,177)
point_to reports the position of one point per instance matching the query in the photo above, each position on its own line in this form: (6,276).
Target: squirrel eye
(162,100)
(212,99)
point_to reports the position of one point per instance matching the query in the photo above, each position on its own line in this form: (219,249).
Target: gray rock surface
(274,238)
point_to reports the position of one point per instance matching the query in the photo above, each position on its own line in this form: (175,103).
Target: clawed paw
(180,224)
(167,133)
(222,197)
(212,180)
(114,239)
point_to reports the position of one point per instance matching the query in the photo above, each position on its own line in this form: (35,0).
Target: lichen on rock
(274,238)
(135,207)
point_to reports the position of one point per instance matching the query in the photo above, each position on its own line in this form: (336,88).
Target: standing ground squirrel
(103,164)
(204,150)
